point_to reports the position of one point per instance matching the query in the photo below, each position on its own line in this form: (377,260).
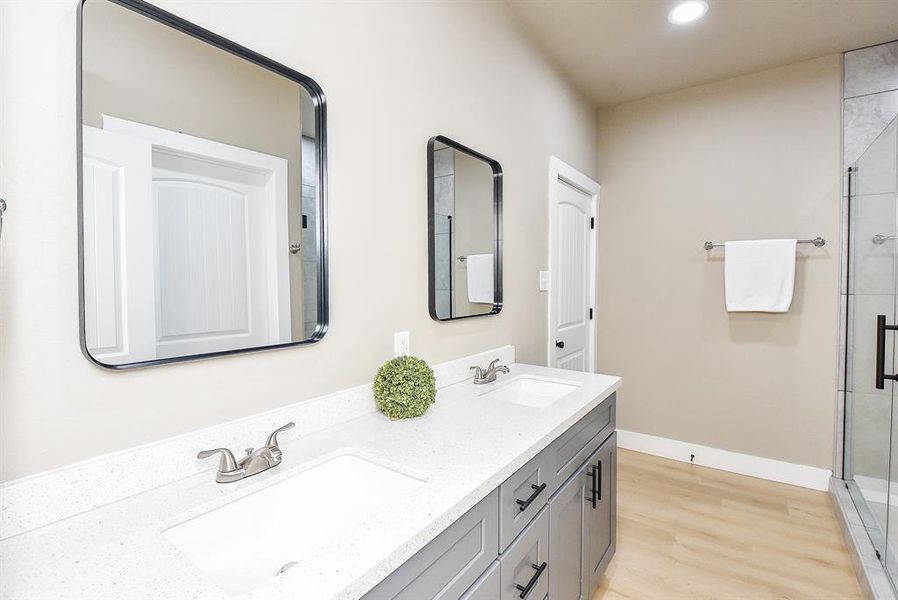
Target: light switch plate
(544,281)
(401,343)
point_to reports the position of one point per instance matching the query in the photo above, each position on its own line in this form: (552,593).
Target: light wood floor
(685,531)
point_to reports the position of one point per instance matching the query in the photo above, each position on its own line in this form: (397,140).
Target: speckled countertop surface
(465,446)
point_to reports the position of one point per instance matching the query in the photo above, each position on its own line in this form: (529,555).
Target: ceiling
(620,50)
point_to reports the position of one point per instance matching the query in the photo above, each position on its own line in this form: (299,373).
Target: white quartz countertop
(463,448)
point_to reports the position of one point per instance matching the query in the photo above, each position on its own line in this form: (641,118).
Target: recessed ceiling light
(687,12)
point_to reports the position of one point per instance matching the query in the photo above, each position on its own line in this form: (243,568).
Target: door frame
(562,173)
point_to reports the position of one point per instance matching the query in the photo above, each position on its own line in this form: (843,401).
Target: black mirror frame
(318,101)
(431,229)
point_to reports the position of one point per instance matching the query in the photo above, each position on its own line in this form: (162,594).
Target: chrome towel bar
(817,241)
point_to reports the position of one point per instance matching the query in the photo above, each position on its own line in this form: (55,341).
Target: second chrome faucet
(255,461)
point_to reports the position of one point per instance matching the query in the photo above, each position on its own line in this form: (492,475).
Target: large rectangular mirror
(464,231)
(201,192)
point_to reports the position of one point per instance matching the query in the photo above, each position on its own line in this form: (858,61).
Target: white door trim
(559,171)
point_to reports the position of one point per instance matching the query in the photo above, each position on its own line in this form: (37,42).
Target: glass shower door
(871,418)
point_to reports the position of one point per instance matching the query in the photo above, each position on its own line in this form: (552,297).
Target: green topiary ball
(404,387)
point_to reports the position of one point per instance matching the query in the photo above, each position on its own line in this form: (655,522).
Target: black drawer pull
(599,481)
(593,489)
(881,329)
(525,589)
(537,490)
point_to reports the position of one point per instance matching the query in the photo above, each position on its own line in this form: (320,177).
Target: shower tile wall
(871,96)
(309,245)
(444,211)
(870,103)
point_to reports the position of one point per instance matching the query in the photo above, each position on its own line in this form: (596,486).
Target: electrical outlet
(401,343)
(544,281)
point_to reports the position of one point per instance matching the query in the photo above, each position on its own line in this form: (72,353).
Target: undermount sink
(536,392)
(244,543)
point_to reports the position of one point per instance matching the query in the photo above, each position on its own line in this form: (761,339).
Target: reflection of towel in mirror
(759,275)
(480,278)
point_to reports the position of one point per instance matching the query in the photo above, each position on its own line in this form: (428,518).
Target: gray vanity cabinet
(600,522)
(567,523)
(446,567)
(547,530)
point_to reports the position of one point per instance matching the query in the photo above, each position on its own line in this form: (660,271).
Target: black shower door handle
(881,374)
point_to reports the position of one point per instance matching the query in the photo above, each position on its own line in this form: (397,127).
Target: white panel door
(212,289)
(119,317)
(221,243)
(572,266)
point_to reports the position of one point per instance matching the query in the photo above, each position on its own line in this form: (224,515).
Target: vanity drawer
(522,496)
(565,455)
(525,563)
(451,563)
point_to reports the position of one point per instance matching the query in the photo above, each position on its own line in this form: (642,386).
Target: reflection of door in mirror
(208,251)
(201,193)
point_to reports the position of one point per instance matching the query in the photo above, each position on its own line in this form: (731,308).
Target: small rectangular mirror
(464,190)
(201,192)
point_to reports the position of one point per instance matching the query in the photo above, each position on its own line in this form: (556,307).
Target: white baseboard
(804,476)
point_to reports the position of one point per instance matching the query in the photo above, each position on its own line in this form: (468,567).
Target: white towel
(480,278)
(759,275)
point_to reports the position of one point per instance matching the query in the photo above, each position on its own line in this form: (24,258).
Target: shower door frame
(878,533)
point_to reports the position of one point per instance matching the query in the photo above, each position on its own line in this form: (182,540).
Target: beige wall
(395,74)
(751,157)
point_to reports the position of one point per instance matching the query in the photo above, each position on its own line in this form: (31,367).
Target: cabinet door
(487,587)
(599,527)
(567,519)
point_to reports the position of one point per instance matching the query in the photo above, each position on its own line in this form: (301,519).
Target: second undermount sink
(244,543)
(536,392)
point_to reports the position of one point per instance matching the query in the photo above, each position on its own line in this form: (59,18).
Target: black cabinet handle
(592,486)
(559,344)
(881,329)
(537,490)
(525,589)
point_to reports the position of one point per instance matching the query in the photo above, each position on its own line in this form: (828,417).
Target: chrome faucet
(255,461)
(489,375)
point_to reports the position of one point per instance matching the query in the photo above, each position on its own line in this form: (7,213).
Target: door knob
(559,344)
